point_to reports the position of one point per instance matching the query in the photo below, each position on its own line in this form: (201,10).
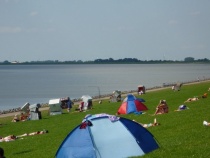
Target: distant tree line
(110,61)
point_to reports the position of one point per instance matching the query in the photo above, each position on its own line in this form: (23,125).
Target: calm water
(39,83)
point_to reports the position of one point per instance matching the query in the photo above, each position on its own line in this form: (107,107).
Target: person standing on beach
(69,105)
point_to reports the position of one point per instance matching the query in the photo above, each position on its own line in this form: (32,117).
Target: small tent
(131,104)
(55,107)
(87,102)
(95,138)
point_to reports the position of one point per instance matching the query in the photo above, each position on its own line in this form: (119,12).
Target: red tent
(131,104)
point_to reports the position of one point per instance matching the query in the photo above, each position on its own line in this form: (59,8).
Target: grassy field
(181,134)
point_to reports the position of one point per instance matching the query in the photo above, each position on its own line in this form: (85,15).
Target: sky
(67,30)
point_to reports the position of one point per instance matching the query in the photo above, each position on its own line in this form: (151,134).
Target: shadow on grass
(22,152)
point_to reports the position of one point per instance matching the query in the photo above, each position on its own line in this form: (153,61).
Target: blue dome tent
(105,136)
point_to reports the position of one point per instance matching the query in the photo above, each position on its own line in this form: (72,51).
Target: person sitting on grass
(16,118)
(23,117)
(150,124)
(192,99)
(161,108)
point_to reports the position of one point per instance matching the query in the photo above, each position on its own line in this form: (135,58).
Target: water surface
(39,83)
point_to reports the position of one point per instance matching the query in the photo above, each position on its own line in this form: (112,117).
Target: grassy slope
(181,134)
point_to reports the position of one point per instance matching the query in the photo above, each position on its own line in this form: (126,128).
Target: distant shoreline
(108,61)
(12,112)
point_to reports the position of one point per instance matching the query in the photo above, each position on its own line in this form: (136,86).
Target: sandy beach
(104,98)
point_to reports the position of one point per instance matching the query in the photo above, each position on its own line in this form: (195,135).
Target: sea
(34,84)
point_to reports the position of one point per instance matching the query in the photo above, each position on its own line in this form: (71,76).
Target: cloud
(34,13)
(124,28)
(10,29)
(15,1)
(50,30)
(32,30)
(194,47)
(172,22)
(195,13)
(36,30)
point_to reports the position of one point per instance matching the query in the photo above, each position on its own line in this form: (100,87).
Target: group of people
(163,108)
(192,99)
(23,117)
(205,123)
(160,109)
(196,98)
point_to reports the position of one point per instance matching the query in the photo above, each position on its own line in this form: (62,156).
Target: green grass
(181,134)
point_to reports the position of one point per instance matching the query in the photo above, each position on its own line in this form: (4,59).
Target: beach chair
(55,107)
(87,102)
(116,96)
(178,86)
(141,89)
(25,108)
(35,114)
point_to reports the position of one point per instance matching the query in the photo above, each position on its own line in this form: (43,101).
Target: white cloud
(172,22)
(10,29)
(33,13)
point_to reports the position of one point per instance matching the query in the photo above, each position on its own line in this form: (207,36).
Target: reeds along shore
(106,96)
